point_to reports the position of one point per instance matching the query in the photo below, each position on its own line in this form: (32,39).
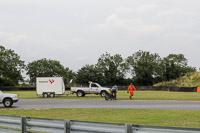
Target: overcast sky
(77,32)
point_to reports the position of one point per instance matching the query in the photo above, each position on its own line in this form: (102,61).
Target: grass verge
(172,118)
(189,80)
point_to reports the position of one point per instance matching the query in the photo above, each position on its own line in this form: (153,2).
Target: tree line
(141,68)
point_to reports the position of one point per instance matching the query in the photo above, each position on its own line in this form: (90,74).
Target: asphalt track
(103,104)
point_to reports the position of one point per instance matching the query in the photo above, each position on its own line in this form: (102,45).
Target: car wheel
(103,94)
(79,94)
(45,95)
(7,103)
(83,95)
(51,95)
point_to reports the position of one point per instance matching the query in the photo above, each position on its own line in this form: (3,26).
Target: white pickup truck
(94,88)
(8,99)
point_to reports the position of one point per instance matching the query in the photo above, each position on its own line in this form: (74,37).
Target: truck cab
(94,87)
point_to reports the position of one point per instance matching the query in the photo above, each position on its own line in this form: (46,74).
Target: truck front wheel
(103,93)
(79,93)
(7,103)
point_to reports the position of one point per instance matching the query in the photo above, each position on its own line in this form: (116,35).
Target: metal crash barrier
(17,124)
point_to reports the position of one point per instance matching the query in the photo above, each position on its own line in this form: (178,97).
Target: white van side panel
(50,84)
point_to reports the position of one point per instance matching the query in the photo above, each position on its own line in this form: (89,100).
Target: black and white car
(8,99)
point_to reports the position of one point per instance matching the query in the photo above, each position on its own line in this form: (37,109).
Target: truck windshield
(94,85)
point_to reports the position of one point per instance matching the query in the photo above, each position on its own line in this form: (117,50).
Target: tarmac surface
(103,104)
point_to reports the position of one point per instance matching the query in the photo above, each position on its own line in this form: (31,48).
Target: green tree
(70,75)
(146,68)
(46,68)
(11,67)
(113,69)
(175,65)
(89,73)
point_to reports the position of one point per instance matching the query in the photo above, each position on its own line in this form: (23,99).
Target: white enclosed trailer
(50,86)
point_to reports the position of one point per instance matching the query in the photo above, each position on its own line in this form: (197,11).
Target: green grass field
(121,95)
(175,118)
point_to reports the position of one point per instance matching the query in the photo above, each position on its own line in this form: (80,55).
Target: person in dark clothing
(114,90)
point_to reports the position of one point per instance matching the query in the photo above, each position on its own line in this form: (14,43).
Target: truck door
(1,96)
(94,88)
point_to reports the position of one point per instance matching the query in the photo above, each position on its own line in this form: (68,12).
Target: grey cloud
(78,32)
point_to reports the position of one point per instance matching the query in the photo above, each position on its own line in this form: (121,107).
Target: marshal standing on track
(131,89)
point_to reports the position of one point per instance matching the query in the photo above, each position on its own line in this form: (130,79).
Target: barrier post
(66,126)
(23,124)
(128,128)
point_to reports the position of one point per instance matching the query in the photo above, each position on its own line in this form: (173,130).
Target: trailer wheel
(51,95)
(45,95)
(79,93)
(7,102)
(103,93)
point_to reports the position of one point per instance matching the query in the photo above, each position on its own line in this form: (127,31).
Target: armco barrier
(16,124)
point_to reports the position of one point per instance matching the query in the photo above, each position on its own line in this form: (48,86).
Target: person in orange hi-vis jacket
(131,89)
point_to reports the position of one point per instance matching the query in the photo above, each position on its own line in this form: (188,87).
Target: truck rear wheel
(79,93)
(45,95)
(7,102)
